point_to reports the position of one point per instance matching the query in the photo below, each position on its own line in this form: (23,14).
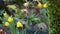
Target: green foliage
(19,16)
(13,7)
(54,16)
(44,13)
(33,18)
(19,1)
(13,29)
(1,12)
(44,1)
(12,26)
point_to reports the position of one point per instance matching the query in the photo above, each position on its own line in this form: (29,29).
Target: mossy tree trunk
(54,16)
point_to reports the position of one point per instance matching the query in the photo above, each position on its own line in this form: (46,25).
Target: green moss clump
(54,16)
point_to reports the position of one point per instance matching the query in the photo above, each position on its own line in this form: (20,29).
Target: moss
(54,16)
